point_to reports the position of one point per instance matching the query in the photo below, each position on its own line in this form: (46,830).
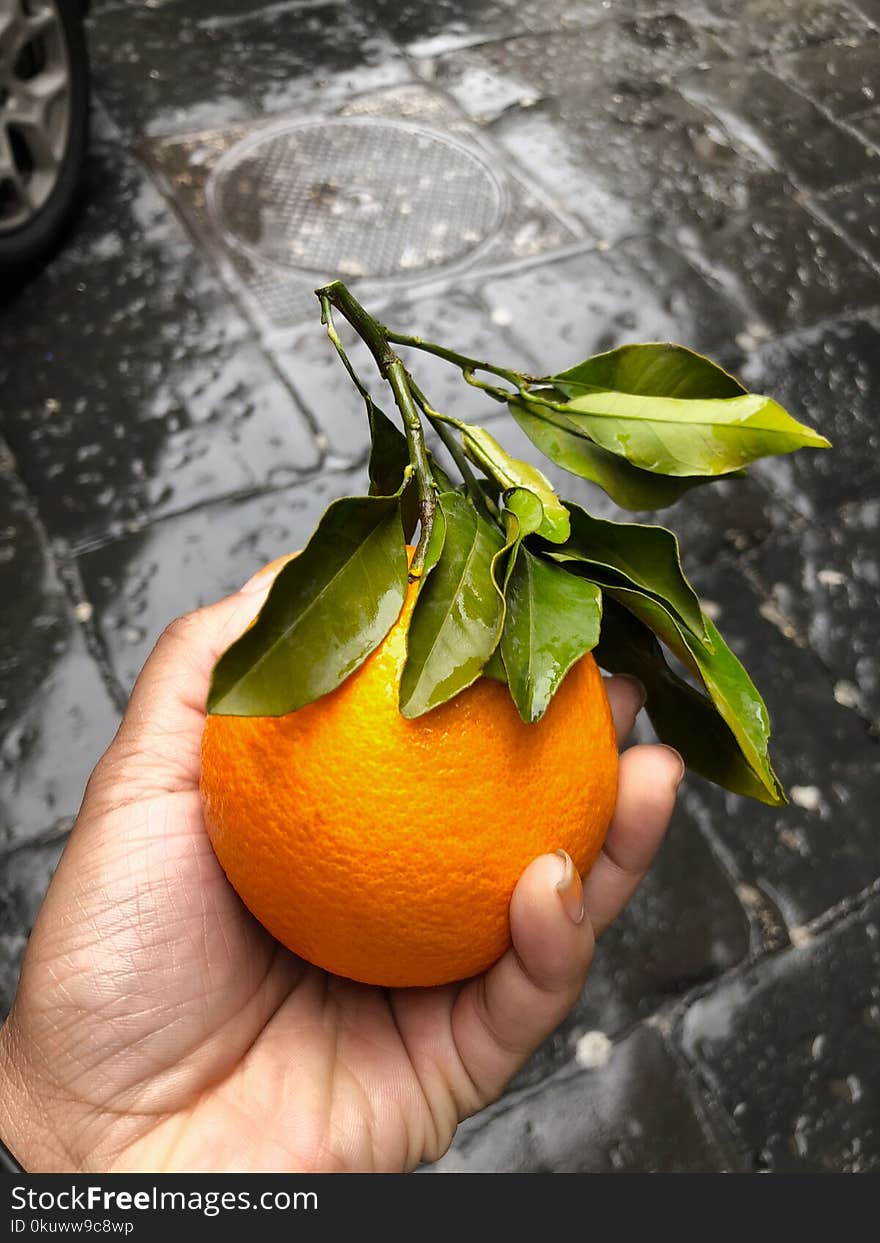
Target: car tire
(25,246)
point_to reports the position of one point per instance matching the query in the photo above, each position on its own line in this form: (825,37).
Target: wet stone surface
(792,1047)
(709,175)
(56,715)
(824,847)
(232,66)
(635,1112)
(132,389)
(140,583)
(24,878)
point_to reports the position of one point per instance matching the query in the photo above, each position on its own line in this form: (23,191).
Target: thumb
(501,1017)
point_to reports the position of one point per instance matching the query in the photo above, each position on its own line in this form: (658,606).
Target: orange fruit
(386,850)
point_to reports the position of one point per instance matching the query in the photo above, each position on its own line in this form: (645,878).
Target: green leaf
(647,557)
(627,486)
(494,667)
(670,411)
(485,451)
(326,612)
(527,508)
(458,613)
(730,688)
(389,460)
(552,620)
(682,717)
(389,455)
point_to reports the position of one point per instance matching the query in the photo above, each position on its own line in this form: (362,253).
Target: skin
(158,1027)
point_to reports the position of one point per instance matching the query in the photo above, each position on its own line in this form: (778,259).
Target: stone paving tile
(785,129)
(24,878)
(635,1113)
(56,716)
(640,158)
(828,377)
(132,386)
(824,846)
(758,27)
(792,1048)
(684,927)
(788,268)
(627,57)
(855,212)
(640,290)
(824,580)
(138,584)
(843,77)
(223,72)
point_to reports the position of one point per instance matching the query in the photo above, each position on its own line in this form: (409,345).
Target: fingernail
(257,582)
(636,684)
(570,889)
(676,780)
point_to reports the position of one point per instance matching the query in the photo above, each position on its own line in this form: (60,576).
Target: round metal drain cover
(358,197)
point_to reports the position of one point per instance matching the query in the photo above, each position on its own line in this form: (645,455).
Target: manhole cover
(359,197)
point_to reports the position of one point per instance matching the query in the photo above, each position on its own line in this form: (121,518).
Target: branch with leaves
(515,583)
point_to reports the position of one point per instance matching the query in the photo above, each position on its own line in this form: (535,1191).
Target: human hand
(158,1027)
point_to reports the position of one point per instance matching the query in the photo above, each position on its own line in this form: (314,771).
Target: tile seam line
(666,1017)
(63,562)
(85,547)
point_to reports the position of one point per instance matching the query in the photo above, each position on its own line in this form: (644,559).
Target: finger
(626,695)
(647,784)
(157,745)
(501,1017)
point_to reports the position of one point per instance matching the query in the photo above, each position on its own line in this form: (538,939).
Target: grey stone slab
(829,378)
(684,926)
(792,1048)
(429,29)
(130,387)
(855,212)
(138,584)
(635,1114)
(628,56)
(635,157)
(24,879)
(824,579)
(843,77)
(788,268)
(56,716)
(761,27)
(641,290)
(177,68)
(822,848)
(783,128)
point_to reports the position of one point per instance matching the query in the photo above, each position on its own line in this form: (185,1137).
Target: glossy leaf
(387,467)
(627,486)
(527,508)
(730,688)
(389,455)
(552,619)
(682,716)
(326,612)
(485,451)
(670,411)
(646,557)
(458,613)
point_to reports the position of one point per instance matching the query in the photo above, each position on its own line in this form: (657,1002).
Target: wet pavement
(173,418)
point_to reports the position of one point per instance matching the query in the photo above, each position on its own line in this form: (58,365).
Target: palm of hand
(159,1027)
